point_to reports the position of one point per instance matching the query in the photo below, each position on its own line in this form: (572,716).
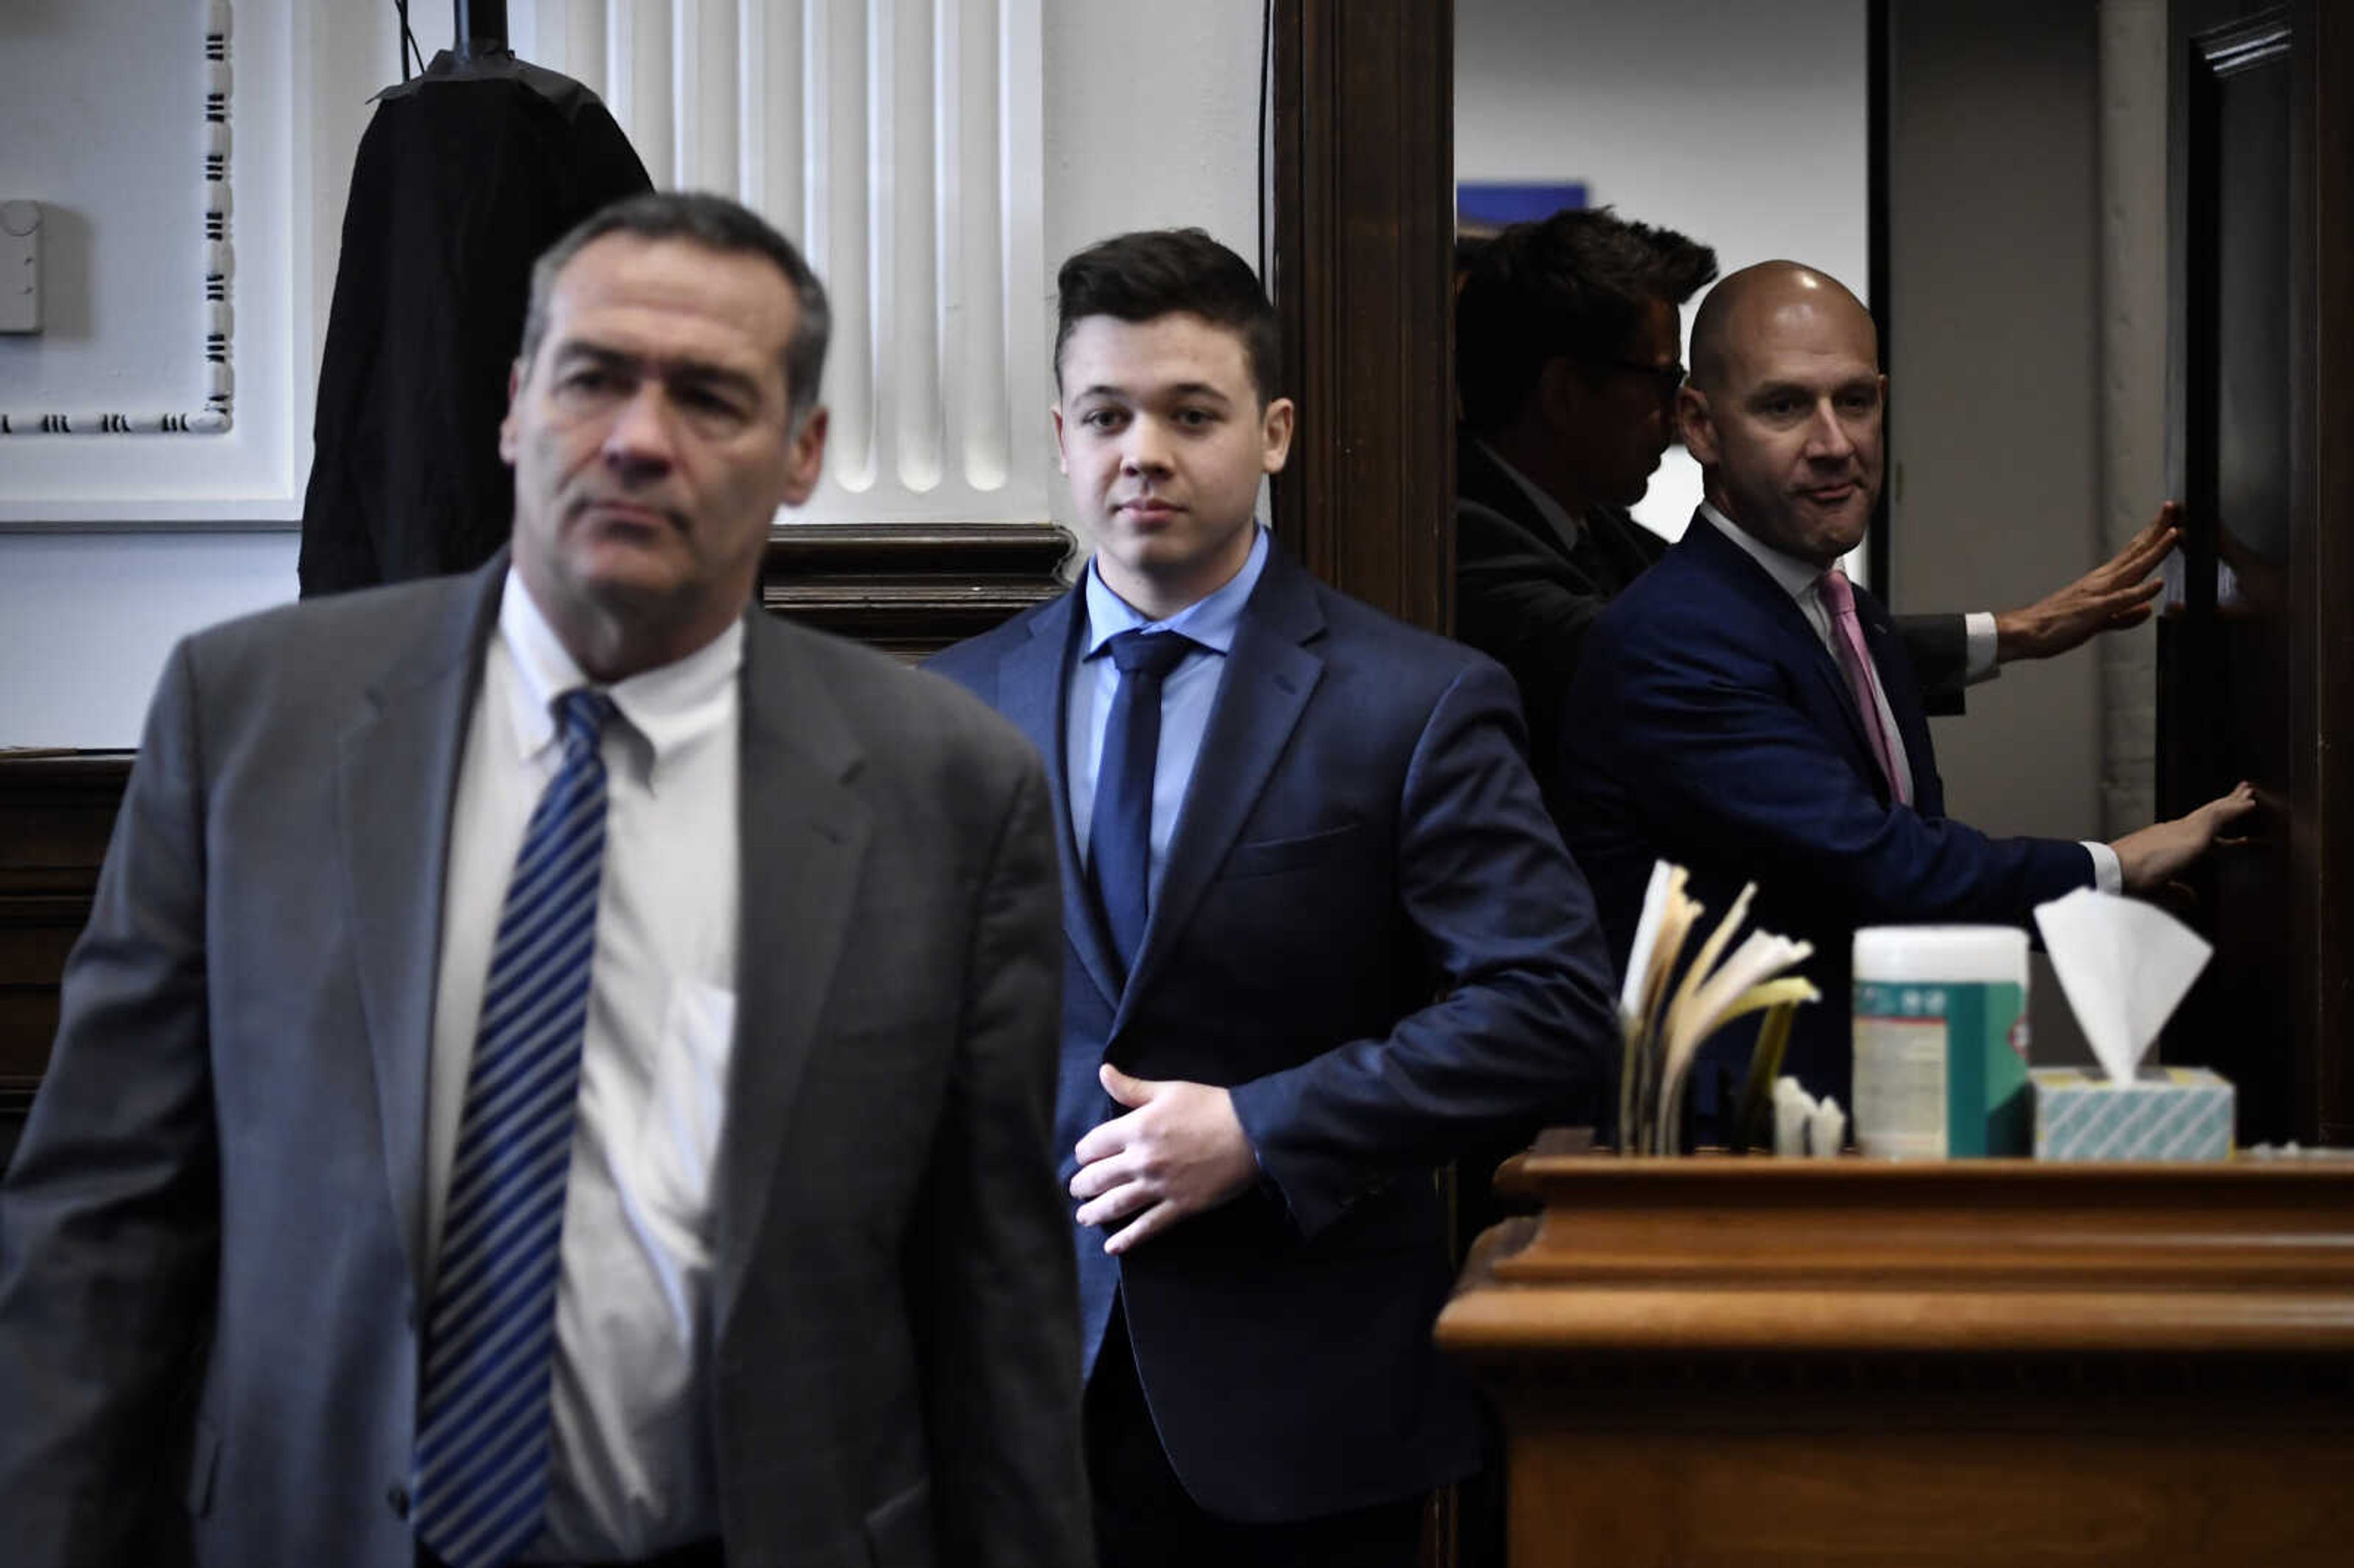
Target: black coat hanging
(464,175)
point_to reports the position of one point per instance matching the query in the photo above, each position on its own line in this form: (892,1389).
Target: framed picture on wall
(171,258)
(1483,206)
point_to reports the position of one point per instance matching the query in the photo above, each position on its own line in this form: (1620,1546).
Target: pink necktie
(1855,663)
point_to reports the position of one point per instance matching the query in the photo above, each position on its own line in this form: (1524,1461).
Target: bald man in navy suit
(1744,711)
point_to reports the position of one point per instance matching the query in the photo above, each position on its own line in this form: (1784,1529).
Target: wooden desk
(1762,1362)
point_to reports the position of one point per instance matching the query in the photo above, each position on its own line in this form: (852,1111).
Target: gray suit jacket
(210,1239)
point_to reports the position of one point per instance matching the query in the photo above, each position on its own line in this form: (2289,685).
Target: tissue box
(2165,1113)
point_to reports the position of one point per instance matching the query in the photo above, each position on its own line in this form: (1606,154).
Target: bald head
(1783,408)
(1740,310)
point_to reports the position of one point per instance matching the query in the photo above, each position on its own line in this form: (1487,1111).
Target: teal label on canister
(1942,1063)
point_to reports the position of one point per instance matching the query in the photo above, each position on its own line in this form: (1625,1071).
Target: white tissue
(1793,1108)
(1826,1129)
(2124,966)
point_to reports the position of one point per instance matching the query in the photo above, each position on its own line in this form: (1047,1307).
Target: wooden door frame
(2324,192)
(2317,817)
(1361,174)
(1362,155)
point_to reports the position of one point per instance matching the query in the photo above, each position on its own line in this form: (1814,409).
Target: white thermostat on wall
(20,266)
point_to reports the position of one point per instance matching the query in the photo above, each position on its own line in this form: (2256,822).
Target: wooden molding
(1735,1256)
(1785,1363)
(911,589)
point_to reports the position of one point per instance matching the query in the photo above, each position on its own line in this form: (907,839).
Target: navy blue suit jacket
(1369,930)
(1708,725)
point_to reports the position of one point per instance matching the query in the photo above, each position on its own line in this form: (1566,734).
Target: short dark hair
(1570,286)
(717,223)
(1167,271)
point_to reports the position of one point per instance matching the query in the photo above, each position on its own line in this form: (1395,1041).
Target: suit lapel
(803,837)
(1265,688)
(396,778)
(1751,581)
(1032,689)
(1478,479)
(1617,548)
(1612,548)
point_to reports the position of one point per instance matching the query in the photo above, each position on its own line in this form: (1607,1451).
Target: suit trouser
(1145,1519)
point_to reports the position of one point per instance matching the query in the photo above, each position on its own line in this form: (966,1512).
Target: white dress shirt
(1978,633)
(632,1469)
(1802,580)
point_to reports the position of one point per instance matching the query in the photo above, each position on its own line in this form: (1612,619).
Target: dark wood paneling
(56,813)
(1363,163)
(911,589)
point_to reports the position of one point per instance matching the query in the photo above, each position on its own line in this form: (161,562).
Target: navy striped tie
(480,1486)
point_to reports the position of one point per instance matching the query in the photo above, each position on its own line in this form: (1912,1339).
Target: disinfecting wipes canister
(1941,1040)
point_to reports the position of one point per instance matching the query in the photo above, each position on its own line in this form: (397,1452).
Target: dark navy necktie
(1119,834)
(481,1487)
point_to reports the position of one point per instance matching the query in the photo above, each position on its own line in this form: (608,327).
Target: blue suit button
(397,1499)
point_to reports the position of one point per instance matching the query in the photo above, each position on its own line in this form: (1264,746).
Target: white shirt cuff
(2108,872)
(1979,631)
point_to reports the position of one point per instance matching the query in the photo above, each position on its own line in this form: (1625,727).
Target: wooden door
(2253,650)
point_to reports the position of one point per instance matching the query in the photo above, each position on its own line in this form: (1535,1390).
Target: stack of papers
(1666,1019)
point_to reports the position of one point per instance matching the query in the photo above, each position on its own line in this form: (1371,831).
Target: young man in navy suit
(1744,711)
(1320,934)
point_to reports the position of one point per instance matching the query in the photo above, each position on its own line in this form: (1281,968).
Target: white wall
(1746,126)
(1152,122)
(86,619)
(1995,444)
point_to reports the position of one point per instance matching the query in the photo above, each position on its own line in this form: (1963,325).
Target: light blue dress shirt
(1187,697)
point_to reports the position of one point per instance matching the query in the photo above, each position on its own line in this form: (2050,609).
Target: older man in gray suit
(560,1065)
